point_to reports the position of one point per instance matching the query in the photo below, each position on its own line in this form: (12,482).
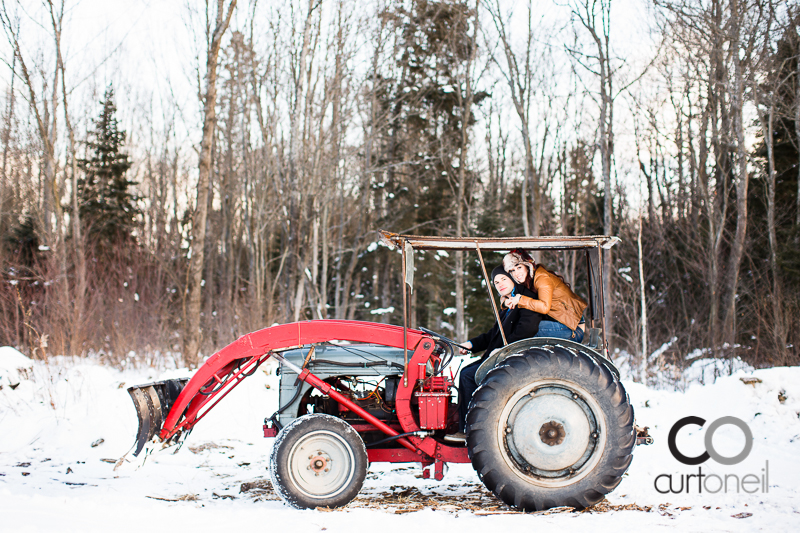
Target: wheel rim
(321,464)
(552,433)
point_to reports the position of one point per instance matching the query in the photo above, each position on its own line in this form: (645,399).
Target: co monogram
(709,440)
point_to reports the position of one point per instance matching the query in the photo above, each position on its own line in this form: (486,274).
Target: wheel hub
(319,463)
(552,433)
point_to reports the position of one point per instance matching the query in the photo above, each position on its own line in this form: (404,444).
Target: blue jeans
(551,328)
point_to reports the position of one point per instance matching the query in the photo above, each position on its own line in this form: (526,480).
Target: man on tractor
(518,323)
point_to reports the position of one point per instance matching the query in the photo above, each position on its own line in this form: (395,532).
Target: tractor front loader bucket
(153,402)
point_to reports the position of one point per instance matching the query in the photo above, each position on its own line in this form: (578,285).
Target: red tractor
(550,425)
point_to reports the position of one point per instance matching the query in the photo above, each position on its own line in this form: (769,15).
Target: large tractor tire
(318,461)
(550,428)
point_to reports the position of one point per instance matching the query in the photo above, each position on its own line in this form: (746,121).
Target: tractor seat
(591,338)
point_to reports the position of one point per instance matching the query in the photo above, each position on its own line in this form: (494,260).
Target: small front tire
(318,461)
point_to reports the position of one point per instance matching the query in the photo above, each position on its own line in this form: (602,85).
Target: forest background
(165,191)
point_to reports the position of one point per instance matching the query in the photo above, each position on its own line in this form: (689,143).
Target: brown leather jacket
(555,299)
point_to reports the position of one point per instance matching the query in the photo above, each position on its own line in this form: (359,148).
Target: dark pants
(466,388)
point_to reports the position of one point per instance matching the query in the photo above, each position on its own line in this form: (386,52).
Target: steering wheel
(443,338)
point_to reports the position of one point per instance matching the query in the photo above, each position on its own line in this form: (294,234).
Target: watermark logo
(711,452)
(711,483)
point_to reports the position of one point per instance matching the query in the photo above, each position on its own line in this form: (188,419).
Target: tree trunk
(606,151)
(586,12)
(79,291)
(716,202)
(6,143)
(643,299)
(466,98)
(193,333)
(742,180)
(778,326)
(294,276)
(797,131)
(519,83)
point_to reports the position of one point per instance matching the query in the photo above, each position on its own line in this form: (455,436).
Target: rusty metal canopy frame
(591,243)
(498,244)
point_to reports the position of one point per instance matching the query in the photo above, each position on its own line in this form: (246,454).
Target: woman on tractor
(562,308)
(518,323)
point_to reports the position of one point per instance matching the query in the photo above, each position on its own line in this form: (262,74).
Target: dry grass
(451,498)
(184,498)
(208,446)
(258,490)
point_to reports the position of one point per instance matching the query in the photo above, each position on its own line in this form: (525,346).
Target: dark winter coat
(518,324)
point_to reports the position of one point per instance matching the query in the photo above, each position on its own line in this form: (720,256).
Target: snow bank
(667,376)
(63,428)
(14,367)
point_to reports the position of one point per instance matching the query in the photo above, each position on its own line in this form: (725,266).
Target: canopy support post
(491,296)
(405,320)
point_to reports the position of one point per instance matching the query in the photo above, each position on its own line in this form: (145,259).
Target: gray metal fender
(516,348)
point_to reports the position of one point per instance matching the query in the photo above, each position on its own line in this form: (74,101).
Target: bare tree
(795,16)
(743,41)
(7,132)
(51,216)
(45,113)
(766,99)
(465,97)
(518,74)
(193,333)
(642,303)
(595,17)
(79,286)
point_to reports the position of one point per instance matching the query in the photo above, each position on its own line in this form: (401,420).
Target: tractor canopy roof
(498,244)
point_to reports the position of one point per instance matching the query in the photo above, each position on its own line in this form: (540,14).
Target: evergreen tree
(22,243)
(421,145)
(415,152)
(108,209)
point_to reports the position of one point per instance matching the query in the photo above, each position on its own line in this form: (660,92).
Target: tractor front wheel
(318,461)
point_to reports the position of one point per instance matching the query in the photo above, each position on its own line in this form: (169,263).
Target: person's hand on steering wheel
(465,348)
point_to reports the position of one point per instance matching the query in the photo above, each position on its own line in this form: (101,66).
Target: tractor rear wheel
(550,428)
(318,461)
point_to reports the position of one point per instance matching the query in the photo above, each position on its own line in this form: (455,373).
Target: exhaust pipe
(153,402)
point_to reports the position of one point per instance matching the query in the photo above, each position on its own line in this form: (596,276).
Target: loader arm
(225,369)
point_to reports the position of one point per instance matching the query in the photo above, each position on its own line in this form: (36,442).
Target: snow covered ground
(64,424)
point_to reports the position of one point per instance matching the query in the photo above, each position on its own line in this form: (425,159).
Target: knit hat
(500,270)
(515,257)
